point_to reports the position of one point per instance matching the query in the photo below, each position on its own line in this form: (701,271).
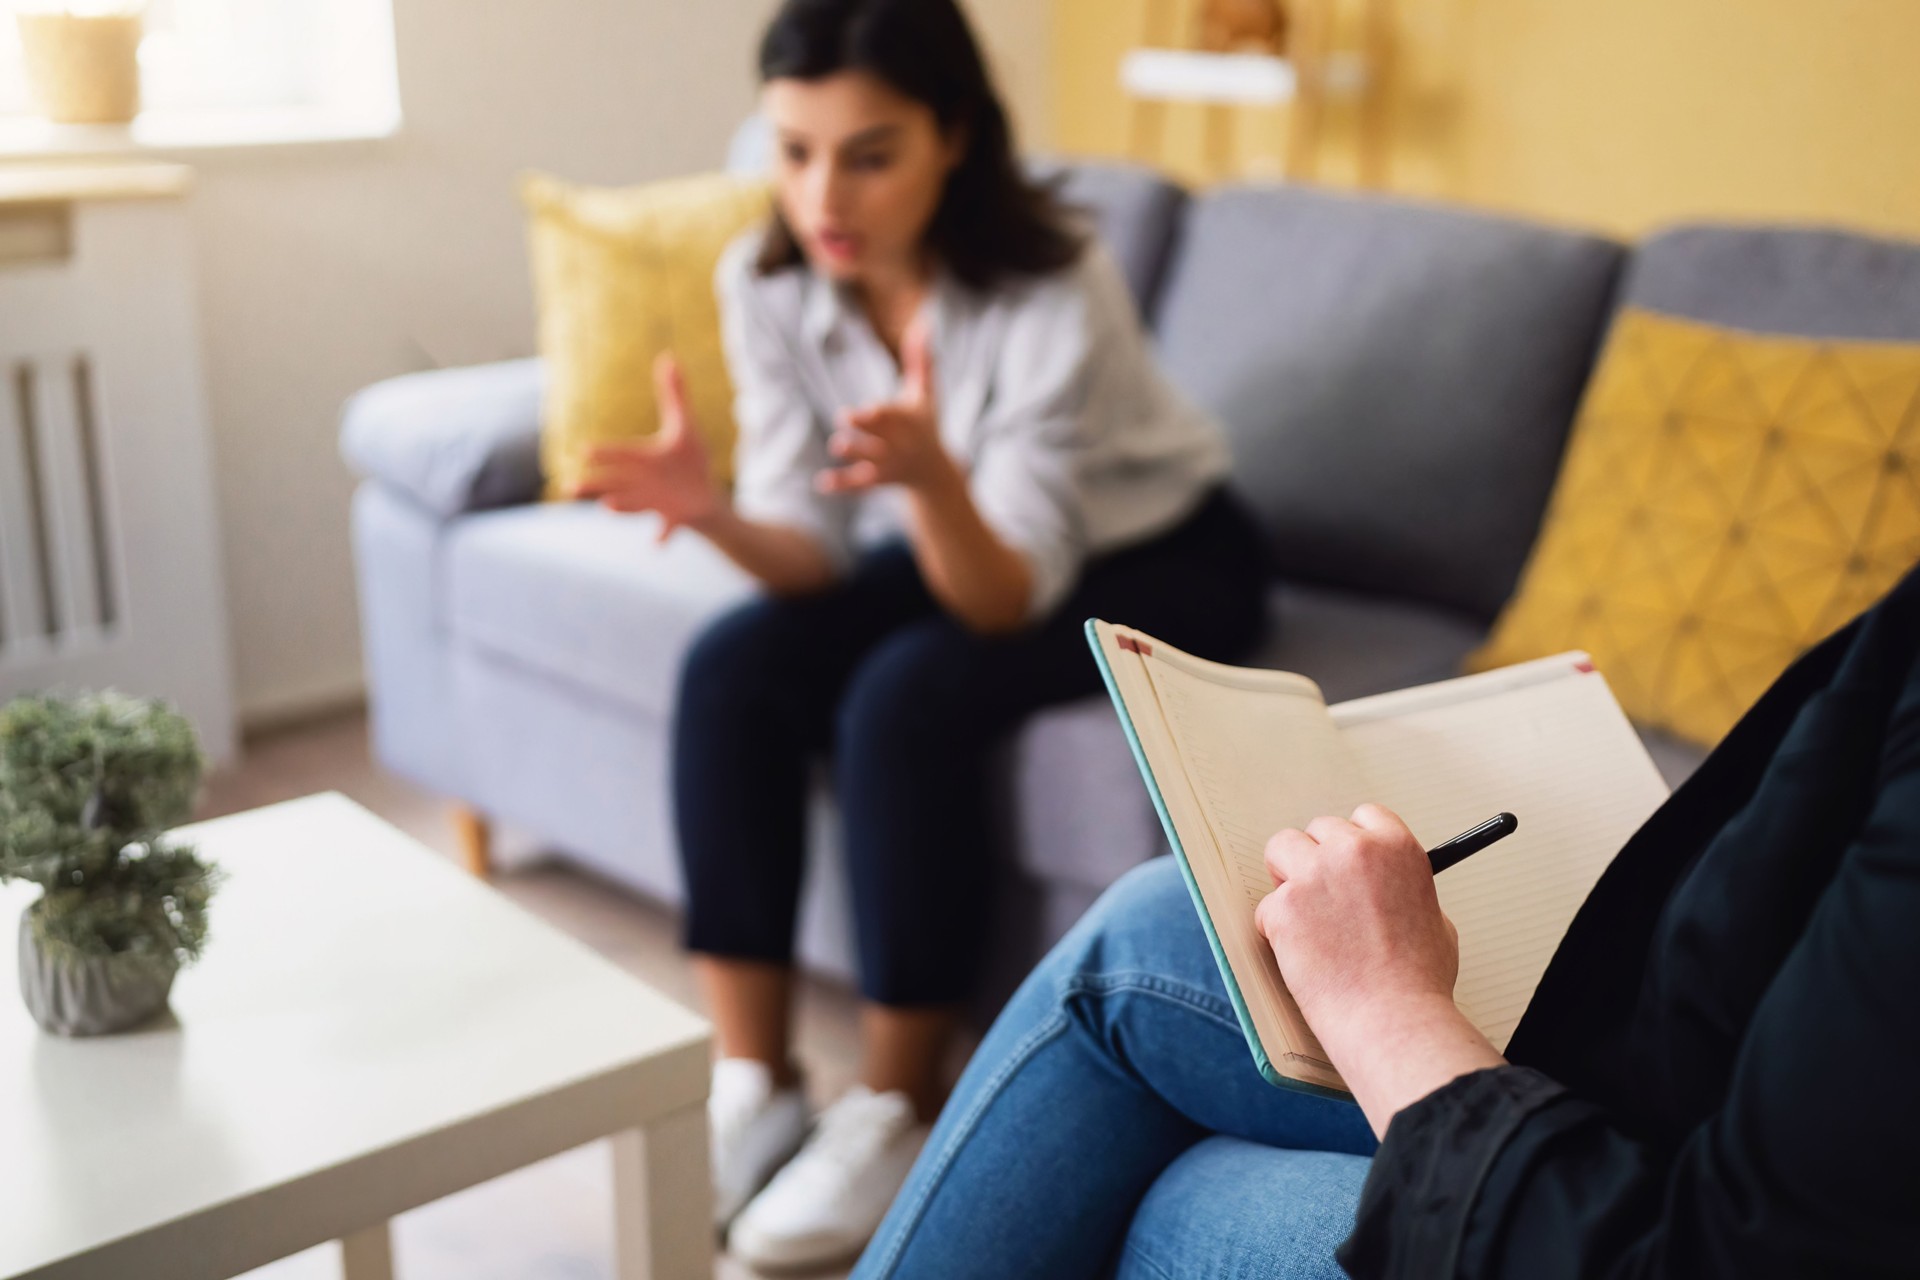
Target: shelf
(193,132)
(1228,79)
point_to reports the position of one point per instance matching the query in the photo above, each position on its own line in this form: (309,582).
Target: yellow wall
(1620,115)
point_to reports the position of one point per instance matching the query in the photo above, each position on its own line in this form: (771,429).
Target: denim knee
(1240,1210)
(1145,923)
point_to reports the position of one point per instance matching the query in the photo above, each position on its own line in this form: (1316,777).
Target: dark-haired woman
(955,447)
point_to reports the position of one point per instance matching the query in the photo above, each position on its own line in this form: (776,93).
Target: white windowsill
(176,133)
(39,184)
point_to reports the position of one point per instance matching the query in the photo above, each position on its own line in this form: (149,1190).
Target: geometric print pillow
(1727,500)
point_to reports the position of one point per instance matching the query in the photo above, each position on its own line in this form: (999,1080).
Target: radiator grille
(58,584)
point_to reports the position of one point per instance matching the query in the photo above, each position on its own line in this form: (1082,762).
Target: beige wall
(323,269)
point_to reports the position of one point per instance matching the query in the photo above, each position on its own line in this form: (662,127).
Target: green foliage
(89,785)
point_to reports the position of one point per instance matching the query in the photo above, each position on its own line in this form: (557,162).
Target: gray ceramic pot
(89,995)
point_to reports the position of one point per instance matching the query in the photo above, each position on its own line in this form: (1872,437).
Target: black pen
(1472,841)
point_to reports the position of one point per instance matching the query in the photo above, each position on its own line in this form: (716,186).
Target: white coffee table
(370,1029)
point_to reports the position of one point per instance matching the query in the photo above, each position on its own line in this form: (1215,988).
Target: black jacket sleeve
(1810,1167)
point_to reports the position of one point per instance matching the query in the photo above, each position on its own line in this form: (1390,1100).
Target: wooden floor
(553,1221)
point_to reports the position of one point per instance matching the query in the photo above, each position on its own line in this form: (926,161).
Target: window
(226,58)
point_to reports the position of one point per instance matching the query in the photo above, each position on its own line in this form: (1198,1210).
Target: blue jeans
(1112,1124)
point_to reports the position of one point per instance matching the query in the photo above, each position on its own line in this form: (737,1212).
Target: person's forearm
(978,578)
(787,561)
(1394,1053)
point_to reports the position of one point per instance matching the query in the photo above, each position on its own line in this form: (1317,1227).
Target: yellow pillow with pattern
(619,275)
(1727,500)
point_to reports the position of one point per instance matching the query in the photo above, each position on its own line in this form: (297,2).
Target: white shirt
(1073,442)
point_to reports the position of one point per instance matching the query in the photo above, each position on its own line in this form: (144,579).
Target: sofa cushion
(1134,210)
(1805,282)
(586,597)
(1728,500)
(621,276)
(1397,378)
(1675,759)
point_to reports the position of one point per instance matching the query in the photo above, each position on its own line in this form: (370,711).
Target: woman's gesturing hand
(897,442)
(1353,918)
(668,473)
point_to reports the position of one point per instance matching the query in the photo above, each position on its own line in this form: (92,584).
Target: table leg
(367,1255)
(663,1200)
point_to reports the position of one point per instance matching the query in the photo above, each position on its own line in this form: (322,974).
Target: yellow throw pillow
(619,275)
(1727,501)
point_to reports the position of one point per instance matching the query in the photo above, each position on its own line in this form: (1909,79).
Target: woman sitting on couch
(955,446)
(1714,1080)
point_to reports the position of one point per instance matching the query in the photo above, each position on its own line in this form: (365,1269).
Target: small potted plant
(82,60)
(89,786)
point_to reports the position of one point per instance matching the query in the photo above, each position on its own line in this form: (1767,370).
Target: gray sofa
(1397,378)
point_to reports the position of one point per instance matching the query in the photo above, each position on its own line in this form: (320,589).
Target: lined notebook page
(1237,755)
(1544,740)
(1261,753)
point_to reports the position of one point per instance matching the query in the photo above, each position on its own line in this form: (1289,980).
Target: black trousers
(907,705)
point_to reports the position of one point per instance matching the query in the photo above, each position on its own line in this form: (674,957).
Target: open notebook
(1233,755)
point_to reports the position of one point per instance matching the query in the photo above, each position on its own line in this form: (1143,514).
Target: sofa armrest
(451,440)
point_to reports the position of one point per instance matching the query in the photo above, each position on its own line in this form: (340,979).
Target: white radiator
(109,555)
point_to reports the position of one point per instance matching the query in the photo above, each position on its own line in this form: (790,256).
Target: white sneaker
(827,1203)
(753,1128)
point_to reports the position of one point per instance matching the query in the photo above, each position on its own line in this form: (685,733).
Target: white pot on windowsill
(83,63)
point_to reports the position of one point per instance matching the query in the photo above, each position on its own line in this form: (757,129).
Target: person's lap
(1088,1116)
(907,704)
